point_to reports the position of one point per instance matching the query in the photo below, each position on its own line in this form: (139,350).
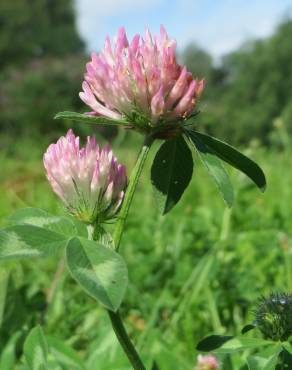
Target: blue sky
(219,26)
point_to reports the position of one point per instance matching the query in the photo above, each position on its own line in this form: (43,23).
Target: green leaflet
(215,169)
(229,344)
(37,217)
(36,350)
(100,271)
(26,241)
(231,156)
(171,172)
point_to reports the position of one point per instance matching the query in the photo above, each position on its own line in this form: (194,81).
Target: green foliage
(264,362)
(36,233)
(272,319)
(249,89)
(27,241)
(42,62)
(200,269)
(8,354)
(37,29)
(64,355)
(232,156)
(247,328)
(215,169)
(99,270)
(31,96)
(213,342)
(269,356)
(38,217)
(42,71)
(199,62)
(36,350)
(218,261)
(49,353)
(171,172)
(227,344)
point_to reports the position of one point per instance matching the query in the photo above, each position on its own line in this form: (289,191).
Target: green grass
(196,271)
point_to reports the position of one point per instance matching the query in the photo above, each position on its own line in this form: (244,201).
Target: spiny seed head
(273,316)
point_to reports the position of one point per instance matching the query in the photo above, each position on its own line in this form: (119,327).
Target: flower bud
(89,180)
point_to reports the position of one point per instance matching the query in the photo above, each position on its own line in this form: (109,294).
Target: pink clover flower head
(89,180)
(140,82)
(208,362)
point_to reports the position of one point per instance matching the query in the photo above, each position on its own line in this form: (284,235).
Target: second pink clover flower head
(140,82)
(207,362)
(88,180)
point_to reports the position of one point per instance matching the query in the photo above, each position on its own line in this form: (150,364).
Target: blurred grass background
(197,271)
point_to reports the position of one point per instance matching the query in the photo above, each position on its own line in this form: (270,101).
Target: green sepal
(99,120)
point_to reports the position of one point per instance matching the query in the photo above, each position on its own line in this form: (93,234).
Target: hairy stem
(56,279)
(125,341)
(115,318)
(134,179)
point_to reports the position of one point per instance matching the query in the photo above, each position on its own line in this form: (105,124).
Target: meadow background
(195,272)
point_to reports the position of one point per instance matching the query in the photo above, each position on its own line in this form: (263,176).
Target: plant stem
(133,181)
(125,341)
(56,279)
(225,226)
(115,318)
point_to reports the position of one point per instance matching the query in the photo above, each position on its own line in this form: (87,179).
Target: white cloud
(92,15)
(218,26)
(100,8)
(229,25)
